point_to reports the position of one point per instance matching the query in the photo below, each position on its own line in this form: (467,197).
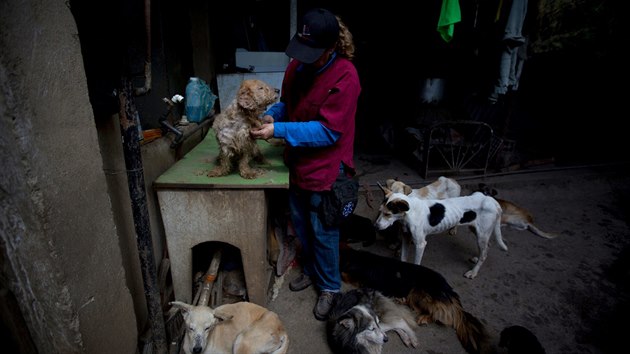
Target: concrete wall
(60,252)
(68,250)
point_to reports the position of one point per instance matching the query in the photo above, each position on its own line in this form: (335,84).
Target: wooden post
(211,276)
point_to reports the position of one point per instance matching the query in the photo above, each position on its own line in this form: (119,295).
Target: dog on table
(424,290)
(424,217)
(359,319)
(242,327)
(514,216)
(232,127)
(520,340)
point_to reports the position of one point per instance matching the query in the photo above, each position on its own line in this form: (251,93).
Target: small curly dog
(232,128)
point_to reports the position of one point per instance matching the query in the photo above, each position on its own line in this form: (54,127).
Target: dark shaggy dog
(357,228)
(422,289)
(520,340)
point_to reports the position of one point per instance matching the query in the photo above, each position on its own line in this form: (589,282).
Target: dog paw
(401,300)
(214,173)
(470,274)
(253,173)
(409,339)
(424,319)
(413,342)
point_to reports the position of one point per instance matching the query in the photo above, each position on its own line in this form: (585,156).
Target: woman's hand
(267,119)
(264,132)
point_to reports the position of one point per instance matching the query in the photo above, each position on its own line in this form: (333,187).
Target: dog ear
(245,98)
(385,190)
(485,189)
(407,190)
(181,305)
(222,316)
(390,182)
(347,322)
(398,206)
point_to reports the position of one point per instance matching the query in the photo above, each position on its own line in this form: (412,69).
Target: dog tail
(538,232)
(498,235)
(471,333)
(448,311)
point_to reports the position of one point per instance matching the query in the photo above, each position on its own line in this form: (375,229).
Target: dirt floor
(572,291)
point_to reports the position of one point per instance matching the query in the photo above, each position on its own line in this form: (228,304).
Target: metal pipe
(147,63)
(293,18)
(179,135)
(128,116)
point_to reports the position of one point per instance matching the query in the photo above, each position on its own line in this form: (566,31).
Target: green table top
(190,172)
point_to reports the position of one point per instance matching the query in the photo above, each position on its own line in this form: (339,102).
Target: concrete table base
(234,216)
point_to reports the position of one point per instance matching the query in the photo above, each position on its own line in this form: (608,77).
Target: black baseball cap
(317,31)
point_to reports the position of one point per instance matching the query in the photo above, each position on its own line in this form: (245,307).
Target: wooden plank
(190,171)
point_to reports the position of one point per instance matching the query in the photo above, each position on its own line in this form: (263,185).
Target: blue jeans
(320,244)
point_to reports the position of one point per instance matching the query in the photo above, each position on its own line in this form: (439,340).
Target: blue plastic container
(199,100)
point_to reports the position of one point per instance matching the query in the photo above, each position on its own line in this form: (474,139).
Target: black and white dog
(424,217)
(360,318)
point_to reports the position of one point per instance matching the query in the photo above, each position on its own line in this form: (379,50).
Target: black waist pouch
(339,203)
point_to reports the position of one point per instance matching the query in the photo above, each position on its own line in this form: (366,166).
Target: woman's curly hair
(345,44)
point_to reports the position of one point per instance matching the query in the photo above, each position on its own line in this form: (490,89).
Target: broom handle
(211,276)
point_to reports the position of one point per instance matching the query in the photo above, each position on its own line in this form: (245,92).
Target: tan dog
(442,188)
(232,128)
(238,328)
(515,216)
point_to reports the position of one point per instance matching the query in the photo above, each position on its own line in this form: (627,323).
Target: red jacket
(330,98)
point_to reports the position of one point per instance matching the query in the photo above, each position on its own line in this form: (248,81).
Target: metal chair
(457,147)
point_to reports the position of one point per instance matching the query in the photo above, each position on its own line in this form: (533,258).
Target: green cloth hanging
(449,16)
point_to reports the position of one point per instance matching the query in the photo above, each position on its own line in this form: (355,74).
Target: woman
(316,118)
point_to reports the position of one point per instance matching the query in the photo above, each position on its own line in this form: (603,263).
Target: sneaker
(324,304)
(300,283)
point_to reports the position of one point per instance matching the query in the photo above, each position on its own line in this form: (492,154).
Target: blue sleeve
(305,134)
(278,111)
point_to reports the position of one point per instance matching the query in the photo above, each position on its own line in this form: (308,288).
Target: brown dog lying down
(232,128)
(242,327)
(514,216)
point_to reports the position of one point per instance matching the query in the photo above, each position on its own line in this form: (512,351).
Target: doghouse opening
(221,283)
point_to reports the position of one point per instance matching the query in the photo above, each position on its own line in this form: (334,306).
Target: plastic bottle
(199,100)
